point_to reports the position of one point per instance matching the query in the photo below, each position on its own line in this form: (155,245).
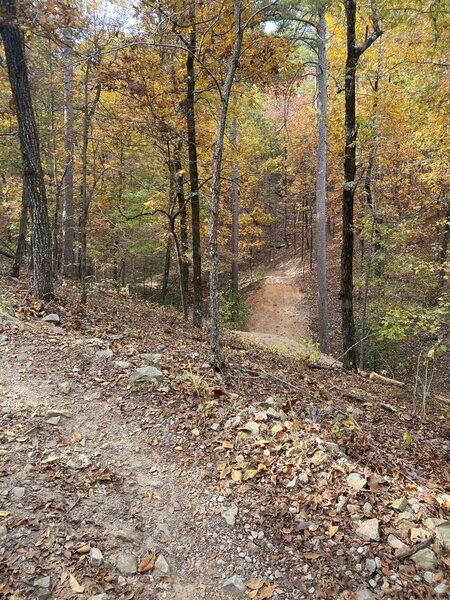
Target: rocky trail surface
(128,469)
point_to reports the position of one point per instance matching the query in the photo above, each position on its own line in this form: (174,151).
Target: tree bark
(184,244)
(193,170)
(14,47)
(354,53)
(216,183)
(68,225)
(22,239)
(234,212)
(444,250)
(321,182)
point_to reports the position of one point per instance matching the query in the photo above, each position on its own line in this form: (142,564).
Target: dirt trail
(280,314)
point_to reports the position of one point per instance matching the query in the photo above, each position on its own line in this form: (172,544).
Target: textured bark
(443,254)
(22,239)
(193,171)
(68,224)
(184,243)
(321,182)
(216,183)
(14,48)
(234,213)
(354,53)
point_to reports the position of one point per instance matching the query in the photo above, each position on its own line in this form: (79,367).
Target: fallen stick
(386,380)
(416,548)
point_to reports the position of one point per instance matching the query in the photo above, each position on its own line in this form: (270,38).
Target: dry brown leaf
(250,473)
(236,475)
(84,549)
(75,586)
(254,583)
(267,591)
(147,563)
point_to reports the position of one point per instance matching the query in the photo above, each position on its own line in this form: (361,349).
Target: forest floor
(276,479)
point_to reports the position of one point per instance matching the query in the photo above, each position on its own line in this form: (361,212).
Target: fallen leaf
(332,530)
(236,475)
(267,591)
(147,563)
(195,432)
(254,583)
(84,549)
(75,586)
(250,473)
(311,555)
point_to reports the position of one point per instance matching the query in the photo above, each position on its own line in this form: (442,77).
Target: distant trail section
(280,314)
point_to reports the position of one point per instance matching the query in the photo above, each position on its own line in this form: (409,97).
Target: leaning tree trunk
(193,170)
(14,47)
(321,182)
(68,225)
(22,239)
(216,183)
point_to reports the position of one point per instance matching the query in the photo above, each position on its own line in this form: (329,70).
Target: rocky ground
(130,470)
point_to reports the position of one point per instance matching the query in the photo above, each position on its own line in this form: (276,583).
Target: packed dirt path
(279,311)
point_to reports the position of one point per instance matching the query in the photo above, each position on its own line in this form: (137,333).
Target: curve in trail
(280,314)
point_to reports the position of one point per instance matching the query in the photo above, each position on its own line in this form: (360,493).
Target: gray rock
(95,557)
(367,508)
(127,535)
(395,542)
(58,412)
(364,594)
(356,481)
(122,364)
(401,504)
(162,533)
(8,319)
(425,559)
(99,597)
(229,514)
(53,420)
(52,318)
(104,353)
(161,568)
(65,387)
(443,535)
(215,427)
(58,330)
(441,589)
(3,533)
(151,359)
(303,477)
(145,374)
(369,530)
(126,563)
(371,565)
(42,582)
(429,576)
(16,493)
(234,585)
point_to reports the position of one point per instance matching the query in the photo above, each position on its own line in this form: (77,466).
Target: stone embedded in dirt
(126,534)
(406,516)
(232,422)
(58,330)
(443,535)
(58,412)
(42,582)
(433,523)
(395,542)
(215,426)
(441,589)
(95,557)
(126,563)
(356,481)
(145,374)
(53,420)
(429,576)
(150,359)
(122,364)
(162,533)
(371,565)
(353,509)
(99,597)
(418,534)
(65,387)
(425,559)
(52,318)
(367,508)
(319,457)
(16,493)
(3,533)
(8,319)
(369,530)
(229,515)
(235,585)
(401,504)
(364,594)
(292,484)
(161,568)
(104,353)
(303,477)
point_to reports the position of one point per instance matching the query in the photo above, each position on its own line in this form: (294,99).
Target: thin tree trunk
(14,48)
(193,169)
(166,274)
(444,251)
(184,244)
(216,183)
(86,197)
(321,182)
(68,224)
(234,212)
(22,239)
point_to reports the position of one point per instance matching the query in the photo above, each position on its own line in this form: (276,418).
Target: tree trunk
(321,182)
(354,53)
(166,274)
(193,170)
(216,182)
(234,212)
(184,244)
(444,251)
(68,225)
(14,47)
(22,239)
